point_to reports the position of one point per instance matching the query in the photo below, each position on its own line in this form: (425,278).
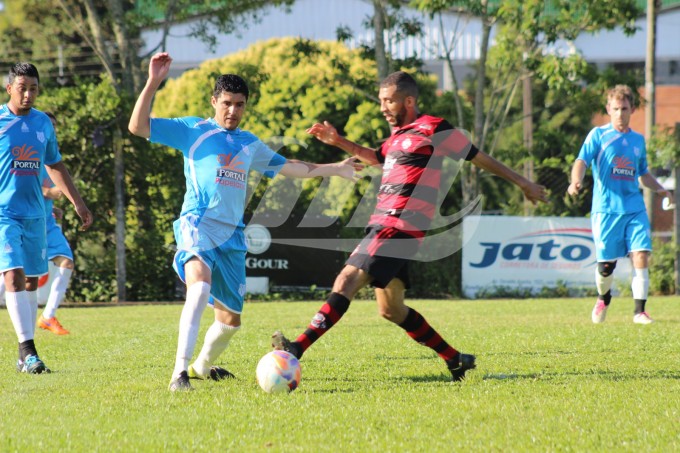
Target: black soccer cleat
(459,365)
(281,343)
(180,383)
(218,374)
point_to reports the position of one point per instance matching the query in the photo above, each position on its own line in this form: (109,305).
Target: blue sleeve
(171,132)
(52,154)
(265,160)
(590,147)
(642,162)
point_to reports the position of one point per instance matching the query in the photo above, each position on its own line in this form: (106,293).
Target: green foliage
(662,268)
(87,116)
(663,148)
(296,84)
(211,19)
(561,290)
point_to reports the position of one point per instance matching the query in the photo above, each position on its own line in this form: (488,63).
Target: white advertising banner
(531,253)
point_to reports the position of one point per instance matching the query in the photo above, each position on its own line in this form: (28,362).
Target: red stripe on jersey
(407,143)
(418,140)
(454,142)
(400,202)
(404,174)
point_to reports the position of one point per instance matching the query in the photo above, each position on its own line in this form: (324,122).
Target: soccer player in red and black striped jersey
(411,162)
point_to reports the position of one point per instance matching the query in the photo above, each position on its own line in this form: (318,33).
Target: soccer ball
(278,371)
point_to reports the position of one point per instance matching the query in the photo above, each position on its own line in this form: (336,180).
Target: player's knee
(393,314)
(386,313)
(348,282)
(606,268)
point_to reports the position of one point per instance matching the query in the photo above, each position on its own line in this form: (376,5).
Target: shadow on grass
(616,376)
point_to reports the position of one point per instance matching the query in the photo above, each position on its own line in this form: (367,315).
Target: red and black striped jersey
(412,161)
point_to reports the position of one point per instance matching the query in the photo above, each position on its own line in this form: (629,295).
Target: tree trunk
(379,30)
(470,183)
(119,183)
(650,93)
(460,120)
(528,133)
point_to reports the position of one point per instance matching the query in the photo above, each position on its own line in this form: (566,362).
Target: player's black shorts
(384,254)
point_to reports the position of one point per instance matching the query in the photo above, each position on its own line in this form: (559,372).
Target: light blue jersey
(618,160)
(217,162)
(49,203)
(27,143)
(57,244)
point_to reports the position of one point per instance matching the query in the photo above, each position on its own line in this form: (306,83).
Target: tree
(526,32)
(76,39)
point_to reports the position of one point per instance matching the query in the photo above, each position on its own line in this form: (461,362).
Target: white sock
(603,284)
(62,277)
(2,290)
(640,283)
(20,313)
(33,303)
(44,290)
(216,341)
(189,322)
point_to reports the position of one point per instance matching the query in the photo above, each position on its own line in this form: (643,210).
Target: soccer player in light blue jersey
(618,158)
(211,249)
(27,143)
(59,256)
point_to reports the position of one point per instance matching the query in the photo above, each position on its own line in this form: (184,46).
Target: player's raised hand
(574,188)
(159,66)
(85,215)
(325,133)
(535,192)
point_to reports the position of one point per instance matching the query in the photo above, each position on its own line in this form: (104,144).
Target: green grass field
(547,380)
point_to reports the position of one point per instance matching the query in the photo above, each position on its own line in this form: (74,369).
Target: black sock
(328,315)
(640,305)
(27,348)
(607,297)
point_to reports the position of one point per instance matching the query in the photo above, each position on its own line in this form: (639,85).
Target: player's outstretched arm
(347,169)
(532,191)
(62,179)
(650,182)
(578,172)
(328,134)
(158,71)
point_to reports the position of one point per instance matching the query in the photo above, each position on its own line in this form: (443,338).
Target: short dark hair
(232,84)
(405,84)
(23,70)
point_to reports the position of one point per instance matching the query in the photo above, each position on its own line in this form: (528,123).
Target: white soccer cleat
(642,318)
(599,311)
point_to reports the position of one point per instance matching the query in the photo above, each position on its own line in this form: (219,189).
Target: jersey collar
(212,121)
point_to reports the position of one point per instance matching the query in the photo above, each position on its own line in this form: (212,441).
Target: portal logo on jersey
(230,171)
(623,168)
(26,161)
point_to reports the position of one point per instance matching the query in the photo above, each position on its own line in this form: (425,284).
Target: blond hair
(620,93)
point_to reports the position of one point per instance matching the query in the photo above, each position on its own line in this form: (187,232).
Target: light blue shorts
(57,245)
(616,235)
(228,265)
(23,245)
